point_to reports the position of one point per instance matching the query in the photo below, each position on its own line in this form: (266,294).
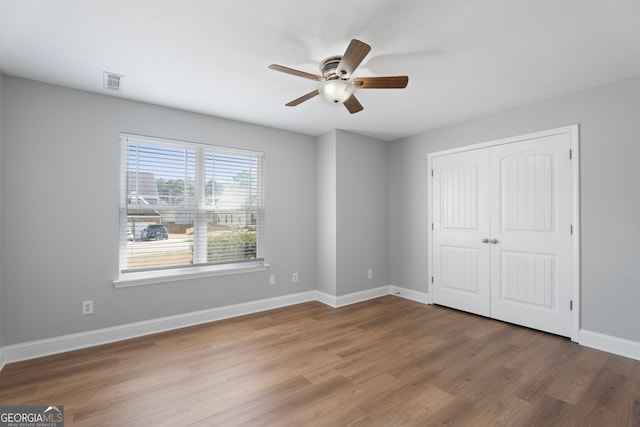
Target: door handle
(492,241)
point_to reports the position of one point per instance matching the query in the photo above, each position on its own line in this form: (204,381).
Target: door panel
(528,279)
(461,221)
(459,266)
(459,196)
(531,220)
(527,192)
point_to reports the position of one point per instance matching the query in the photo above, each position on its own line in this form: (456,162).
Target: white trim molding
(352,298)
(327,299)
(610,344)
(2,359)
(49,346)
(360,296)
(411,294)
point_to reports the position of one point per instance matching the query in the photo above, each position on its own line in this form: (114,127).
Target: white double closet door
(502,232)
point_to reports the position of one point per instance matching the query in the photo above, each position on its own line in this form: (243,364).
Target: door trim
(573,132)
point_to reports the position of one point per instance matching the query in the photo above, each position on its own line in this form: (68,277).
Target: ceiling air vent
(112,81)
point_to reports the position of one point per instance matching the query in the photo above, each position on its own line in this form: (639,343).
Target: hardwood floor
(387,361)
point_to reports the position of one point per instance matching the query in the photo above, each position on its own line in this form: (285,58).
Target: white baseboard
(2,360)
(360,296)
(610,344)
(49,346)
(327,299)
(417,296)
(352,298)
(45,347)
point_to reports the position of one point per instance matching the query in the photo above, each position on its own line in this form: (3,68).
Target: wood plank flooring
(384,362)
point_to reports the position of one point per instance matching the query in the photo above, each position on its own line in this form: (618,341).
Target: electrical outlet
(294,277)
(272,280)
(370,274)
(87,307)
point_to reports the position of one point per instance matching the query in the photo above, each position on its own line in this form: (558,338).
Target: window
(189,208)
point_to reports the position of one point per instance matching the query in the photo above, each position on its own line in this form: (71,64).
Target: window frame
(128,277)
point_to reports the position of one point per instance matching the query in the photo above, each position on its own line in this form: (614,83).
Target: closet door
(531,233)
(460,223)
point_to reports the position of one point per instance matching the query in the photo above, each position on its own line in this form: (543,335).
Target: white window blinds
(186,205)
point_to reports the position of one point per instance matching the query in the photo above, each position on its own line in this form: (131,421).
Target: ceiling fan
(337,79)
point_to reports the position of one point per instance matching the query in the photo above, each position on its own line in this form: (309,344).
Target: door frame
(573,132)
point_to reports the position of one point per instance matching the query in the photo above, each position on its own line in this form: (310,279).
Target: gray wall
(2,180)
(61,195)
(353,214)
(362,212)
(59,192)
(327,213)
(610,201)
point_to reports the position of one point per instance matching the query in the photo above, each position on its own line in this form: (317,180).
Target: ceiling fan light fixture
(336,91)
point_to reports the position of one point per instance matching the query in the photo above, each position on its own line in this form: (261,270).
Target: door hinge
(570,154)
(571,305)
(431,172)
(431,279)
(432,227)
(571,229)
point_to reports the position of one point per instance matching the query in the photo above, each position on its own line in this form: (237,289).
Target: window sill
(151,277)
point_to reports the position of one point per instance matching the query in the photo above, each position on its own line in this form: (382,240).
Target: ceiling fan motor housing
(337,87)
(329,68)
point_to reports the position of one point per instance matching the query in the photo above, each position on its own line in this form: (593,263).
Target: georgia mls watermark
(31,416)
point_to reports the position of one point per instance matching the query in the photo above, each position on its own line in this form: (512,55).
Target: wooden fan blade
(353,105)
(353,56)
(302,98)
(296,72)
(392,82)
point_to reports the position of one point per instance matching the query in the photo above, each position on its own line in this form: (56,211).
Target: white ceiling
(464,58)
